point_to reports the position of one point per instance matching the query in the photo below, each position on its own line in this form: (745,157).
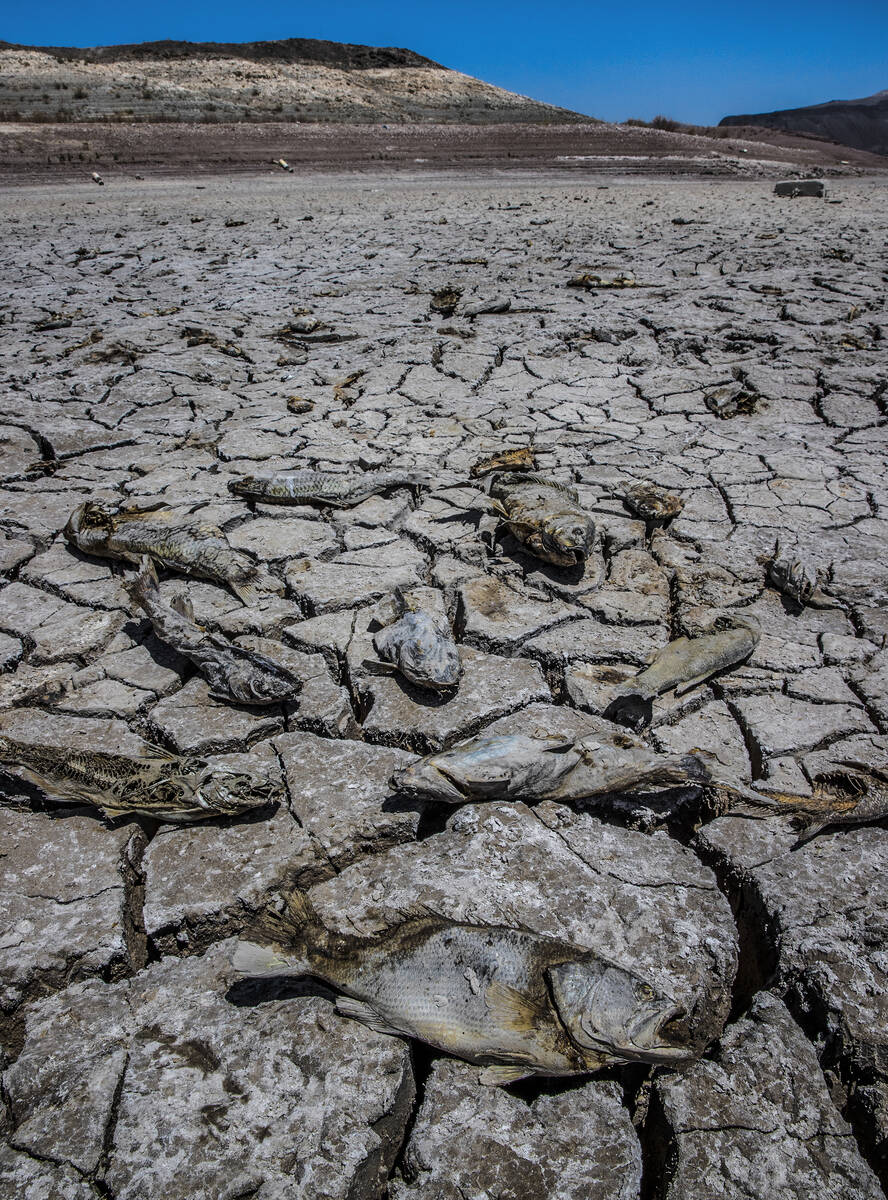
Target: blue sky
(696,60)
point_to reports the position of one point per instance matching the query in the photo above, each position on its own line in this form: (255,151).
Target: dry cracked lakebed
(154,354)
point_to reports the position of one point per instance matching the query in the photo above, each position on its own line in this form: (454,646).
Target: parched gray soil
(136,1065)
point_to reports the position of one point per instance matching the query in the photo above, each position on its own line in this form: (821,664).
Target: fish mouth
(654,1031)
(434,785)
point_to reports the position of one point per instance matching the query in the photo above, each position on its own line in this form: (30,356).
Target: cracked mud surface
(135,1065)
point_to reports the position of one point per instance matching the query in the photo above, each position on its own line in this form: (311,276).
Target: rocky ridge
(297,79)
(136,1064)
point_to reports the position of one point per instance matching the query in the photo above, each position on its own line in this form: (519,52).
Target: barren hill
(859,123)
(297,79)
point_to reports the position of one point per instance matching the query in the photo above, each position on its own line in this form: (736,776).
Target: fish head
(245,485)
(424,780)
(566,539)
(89,525)
(430,661)
(254,683)
(794,576)
(226,791)
(610,1011)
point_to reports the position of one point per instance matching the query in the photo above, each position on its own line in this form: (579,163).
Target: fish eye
(646,992)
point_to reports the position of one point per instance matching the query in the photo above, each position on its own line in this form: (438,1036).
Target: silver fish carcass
(546,767)
(163,535)
(232,671)
(545,516)
(332,489)
(417,644)
(681,665)
(512,1001)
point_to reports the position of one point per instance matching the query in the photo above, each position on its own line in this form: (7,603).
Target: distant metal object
(282,162)
(800,187)
(96,178)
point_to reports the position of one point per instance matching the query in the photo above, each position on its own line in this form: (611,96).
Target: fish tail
(251,960)
(144,583)
(294,932)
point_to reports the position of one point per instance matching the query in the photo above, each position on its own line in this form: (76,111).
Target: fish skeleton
(154,784)
(233,672)
(681,665)
(793,575)
(853,793)
(333,489)
(523,459)
(417,645)
(193,549)
(513,1001)
(546,517)
(519,766)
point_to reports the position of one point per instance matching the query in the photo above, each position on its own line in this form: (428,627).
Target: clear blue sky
(696,60)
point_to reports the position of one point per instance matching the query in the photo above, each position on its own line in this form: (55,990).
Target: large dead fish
(417,644)
(233,672)
(520,766)
(154,783)
(333,489)
(194,549)
(546,517)
(680,666)
(513,1001)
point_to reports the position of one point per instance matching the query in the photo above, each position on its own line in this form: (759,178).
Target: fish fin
(500,1075)
(808,834)
(249,958)
(561,748)
(252,591)
(377,665)
(512,1008)
(498,507)
(291,924)
(183,606)
(687,684)
(346,1006)
(144,582)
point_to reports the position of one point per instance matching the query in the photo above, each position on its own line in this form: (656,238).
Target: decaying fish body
(854,793)
(793,575)
(155,784)
(418,645)
(546,517)
(194,549)
(522,459)
(652,503)
(544,767)
(233,672)
(513,1001)
(512,766)
(332,489)
(681,665)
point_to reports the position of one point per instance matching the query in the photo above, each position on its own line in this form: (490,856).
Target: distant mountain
(297,79)
(859,123)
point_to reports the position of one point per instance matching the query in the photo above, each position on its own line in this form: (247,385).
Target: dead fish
(445,299)
(545,767)
(417,645)
(522,459)
(510,1000)
(330,488)
(193,549)
(591,282)
(156,784)
(513,766)
(299,405)
(652,503)
(681,665)
(730,400)
(233,672)
(854,794)
(546,517)
(793,575)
